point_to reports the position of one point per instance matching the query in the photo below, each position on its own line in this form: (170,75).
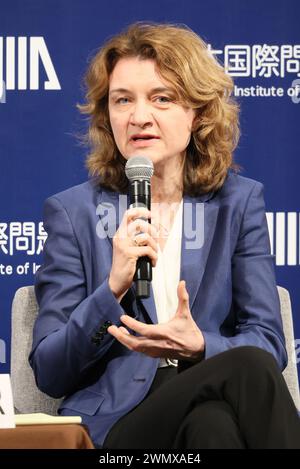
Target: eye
(162,99)
(122,101)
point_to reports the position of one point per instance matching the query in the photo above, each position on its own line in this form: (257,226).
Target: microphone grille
(139,168)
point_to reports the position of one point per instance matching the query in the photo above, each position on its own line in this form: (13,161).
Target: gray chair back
(290,373)
(27,397)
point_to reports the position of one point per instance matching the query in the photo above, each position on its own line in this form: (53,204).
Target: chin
(154,155)
(145,153)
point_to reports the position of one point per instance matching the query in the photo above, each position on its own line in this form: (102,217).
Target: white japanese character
(3,238)
(41,238)
(237,60)
(265,60)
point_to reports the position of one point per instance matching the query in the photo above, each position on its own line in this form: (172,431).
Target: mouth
(143,140)
(143,137)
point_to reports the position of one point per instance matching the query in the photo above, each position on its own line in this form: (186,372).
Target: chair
(27,397)
(290,373)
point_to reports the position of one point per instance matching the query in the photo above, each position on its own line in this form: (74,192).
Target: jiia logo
(21,59)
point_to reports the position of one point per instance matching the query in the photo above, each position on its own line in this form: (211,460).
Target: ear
(196,121)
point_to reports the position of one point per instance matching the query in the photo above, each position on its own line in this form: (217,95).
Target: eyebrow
(159,89)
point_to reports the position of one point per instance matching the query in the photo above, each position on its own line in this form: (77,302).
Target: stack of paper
(44,419)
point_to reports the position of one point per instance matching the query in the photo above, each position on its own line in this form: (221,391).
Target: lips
(143,137)
(143,140)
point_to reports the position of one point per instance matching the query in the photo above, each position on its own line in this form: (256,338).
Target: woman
(155,91)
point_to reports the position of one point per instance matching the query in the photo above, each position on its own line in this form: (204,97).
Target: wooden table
(66,436)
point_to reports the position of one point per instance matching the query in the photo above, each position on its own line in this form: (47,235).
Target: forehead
(133,71)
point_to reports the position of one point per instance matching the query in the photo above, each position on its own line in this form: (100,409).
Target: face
(145,117)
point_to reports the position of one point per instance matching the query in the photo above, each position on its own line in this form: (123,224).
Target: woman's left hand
(180,338)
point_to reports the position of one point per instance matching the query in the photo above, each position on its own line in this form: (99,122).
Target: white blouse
(166,273)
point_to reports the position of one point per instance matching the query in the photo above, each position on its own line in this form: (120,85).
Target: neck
(166,184)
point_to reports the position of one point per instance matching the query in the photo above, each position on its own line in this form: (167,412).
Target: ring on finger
(136,237)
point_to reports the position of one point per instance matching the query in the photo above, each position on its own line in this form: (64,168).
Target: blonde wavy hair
(201,83)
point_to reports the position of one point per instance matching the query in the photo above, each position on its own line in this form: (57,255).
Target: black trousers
(237,399)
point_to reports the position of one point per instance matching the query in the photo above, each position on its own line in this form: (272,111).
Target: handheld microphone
(139,170)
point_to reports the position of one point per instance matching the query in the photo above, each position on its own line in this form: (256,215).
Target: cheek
(118,126)
(189,119)
(180,130)
(181,121)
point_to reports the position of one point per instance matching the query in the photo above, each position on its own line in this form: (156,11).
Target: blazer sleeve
(63,337)
(255,300)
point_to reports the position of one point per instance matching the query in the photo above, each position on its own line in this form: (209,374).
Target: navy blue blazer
(230,280)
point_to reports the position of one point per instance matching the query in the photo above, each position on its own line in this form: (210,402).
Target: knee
(202,420)
(214,413)
(254,359)
(211,424)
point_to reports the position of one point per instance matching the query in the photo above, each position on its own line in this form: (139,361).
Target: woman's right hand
(126,252)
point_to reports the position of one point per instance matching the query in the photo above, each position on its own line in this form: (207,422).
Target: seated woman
(155,91)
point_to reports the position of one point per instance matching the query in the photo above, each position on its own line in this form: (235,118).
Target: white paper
(7,417)
(45,419)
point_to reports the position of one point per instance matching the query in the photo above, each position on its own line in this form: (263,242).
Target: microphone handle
(140,196)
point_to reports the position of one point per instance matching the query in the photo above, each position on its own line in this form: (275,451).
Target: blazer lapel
(199,219)
(110,210)
(199,213)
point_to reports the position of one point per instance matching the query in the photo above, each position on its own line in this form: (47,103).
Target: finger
(135,227)
(152,331)
(156,348)
(153,348)
(148,251)
(137,344)
(182,292)
(140,225)
(183,297)
(124,338)
(114,330)
(144,239)
(136,212)
(130,215)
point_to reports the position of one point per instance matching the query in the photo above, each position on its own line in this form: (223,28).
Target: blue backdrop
(44,49)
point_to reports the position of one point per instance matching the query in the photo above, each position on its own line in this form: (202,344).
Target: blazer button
(95,340)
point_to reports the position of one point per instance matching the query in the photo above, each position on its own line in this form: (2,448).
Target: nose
(141,115)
